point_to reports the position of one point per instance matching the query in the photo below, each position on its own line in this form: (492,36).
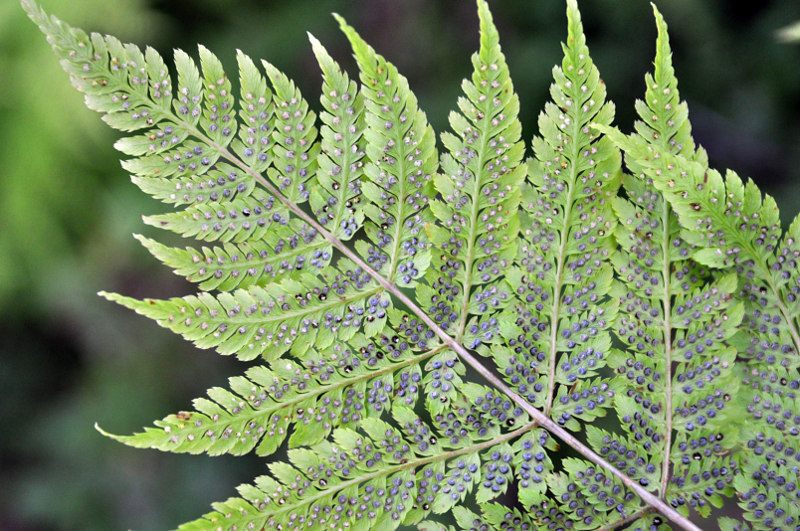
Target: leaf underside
(432,329)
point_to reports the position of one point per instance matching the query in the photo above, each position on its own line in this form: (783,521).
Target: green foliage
(430,327)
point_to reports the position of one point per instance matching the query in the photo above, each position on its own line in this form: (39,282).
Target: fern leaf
(400,146)
(350,345)
(728,225)
(255,262)
(342,161)
(676,323)
(371,478)
(479,191)
(733,227)
(270,321)
(304,402)
(561,320)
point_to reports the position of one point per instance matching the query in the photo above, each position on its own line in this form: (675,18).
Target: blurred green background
(67,209)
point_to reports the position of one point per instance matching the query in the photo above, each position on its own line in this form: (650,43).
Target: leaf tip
(104,433)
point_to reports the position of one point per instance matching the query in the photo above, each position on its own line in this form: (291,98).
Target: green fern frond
(373,478)
(479,189)
(378,281)
(293,316)
(303,402)
(566,239)
(341,165)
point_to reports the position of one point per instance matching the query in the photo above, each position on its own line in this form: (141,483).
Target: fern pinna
(732,229)
(433,332)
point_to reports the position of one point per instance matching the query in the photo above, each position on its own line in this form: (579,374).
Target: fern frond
(351,342)
(734,228)
(343,150)
(304,402)
(270,321)
(373,478)
(479,192)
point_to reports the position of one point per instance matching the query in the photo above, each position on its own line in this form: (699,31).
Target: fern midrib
(348,158)
(345,165)
(551,385)
(393,367)
(560,259)
(401,181)
(666,272)
(473,231)
(284,316)
(540,418)
(230,265)
(410,464)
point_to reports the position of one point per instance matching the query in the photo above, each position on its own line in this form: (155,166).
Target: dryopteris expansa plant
(364,271)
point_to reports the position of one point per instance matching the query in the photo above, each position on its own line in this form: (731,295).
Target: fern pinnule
(733,228)
(296,315)
(341,162)
(479,189)
(303,402)
(400,147)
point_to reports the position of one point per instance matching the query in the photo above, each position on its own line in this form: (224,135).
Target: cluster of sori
(375,279)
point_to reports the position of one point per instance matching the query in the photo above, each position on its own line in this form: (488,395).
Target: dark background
(67,209)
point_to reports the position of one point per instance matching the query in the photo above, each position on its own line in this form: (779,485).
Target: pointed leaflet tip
(484,14)
(277,78)
(574,24)
(324,59)
(316,45)
(662,27)
(659,17)
(147,242)
(358,44)
(105,433)
(339,19)
(47,24)
(663,61)
(29,6)
(34,11)
(489,35)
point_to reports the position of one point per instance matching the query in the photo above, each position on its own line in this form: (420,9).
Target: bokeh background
(67,209)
